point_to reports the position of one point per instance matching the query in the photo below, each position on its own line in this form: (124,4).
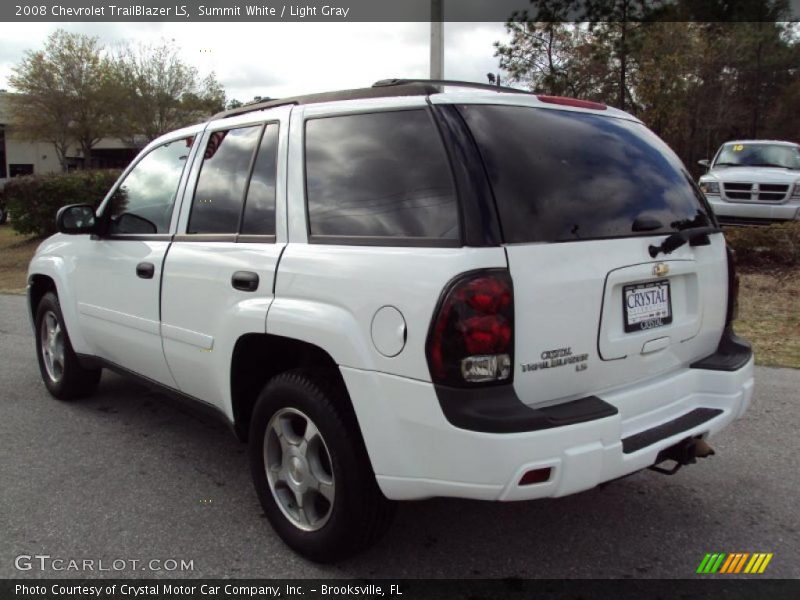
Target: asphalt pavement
(129,476)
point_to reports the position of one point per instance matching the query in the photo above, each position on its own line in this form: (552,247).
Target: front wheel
(310,468)
(61,371)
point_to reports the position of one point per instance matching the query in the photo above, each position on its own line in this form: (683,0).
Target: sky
(285,59)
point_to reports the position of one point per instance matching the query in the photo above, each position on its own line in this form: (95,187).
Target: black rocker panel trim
(194,404)
(646,438)
(499,410)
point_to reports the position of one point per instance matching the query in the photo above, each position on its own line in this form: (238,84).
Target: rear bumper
(754,213)
(417,453)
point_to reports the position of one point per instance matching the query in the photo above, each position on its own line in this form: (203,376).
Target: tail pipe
(685,452)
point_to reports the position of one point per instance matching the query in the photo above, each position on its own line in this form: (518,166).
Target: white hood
(752,175)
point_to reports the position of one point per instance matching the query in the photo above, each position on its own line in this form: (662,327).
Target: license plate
(646,305)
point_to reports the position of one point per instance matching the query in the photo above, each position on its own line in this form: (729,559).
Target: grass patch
(769,315)
(15,254)
(769,301)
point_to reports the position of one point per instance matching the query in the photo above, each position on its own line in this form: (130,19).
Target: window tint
(220,186)
(381,174)
(143,202)
(259,208)
(561,175)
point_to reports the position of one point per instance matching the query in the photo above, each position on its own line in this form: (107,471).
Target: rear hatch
(581,198)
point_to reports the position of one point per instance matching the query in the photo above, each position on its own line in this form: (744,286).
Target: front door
(118,276)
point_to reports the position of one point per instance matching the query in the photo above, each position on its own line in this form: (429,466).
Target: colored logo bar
(734,563)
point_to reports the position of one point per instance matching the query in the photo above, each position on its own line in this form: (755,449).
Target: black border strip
(690,420)
(196,405)
(732,354)
(499,410)
(411,11)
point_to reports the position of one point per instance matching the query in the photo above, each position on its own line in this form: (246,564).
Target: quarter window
(143,201)
(218,196)
(379,175)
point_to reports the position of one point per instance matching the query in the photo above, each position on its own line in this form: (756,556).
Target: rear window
(379,175)
(562,175)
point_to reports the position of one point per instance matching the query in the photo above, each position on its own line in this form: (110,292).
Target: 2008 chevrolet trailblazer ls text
(399,292)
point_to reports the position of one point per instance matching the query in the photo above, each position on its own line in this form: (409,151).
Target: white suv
(397,293)
(753,182)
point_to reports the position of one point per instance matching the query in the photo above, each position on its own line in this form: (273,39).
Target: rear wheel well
(39,286)
(257,358)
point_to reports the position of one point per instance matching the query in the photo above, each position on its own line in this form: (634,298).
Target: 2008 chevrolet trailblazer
(398,292)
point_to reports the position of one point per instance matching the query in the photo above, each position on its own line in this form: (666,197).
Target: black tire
(3,215)
(359,513)
(72,380)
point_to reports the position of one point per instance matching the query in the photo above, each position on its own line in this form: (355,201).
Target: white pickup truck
(754,182)
(397,293)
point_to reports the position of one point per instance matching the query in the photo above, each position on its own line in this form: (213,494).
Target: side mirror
(76,219)
(704,163)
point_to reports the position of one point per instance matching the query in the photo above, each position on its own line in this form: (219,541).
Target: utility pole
(437,39)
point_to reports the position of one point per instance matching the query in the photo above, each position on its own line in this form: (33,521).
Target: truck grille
(767,192)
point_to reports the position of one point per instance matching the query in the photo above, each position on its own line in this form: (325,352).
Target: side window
(259,208)
(380,174)
(143,202)
(221,184)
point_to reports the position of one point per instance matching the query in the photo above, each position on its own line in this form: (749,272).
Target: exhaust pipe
(685,452)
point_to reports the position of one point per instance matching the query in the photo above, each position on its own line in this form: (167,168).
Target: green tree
(696,83)
(63,94)
(541,55)
(617,28)
(594,58)
(158,92)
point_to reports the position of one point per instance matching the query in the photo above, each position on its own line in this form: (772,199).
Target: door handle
(246,281)
(145,270)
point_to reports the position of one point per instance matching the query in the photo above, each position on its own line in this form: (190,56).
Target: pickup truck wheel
(311,471)
(61,371)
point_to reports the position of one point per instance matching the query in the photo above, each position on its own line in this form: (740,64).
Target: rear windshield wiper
(674,241)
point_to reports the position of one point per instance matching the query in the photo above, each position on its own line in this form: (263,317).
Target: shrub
(33,200)
(774,246)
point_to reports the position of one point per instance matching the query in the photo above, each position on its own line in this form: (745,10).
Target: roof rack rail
(413,88)
(449,82)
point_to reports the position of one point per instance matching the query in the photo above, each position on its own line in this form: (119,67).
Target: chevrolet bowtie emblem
(661,269)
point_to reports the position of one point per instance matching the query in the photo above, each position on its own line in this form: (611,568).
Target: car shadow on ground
(627,528)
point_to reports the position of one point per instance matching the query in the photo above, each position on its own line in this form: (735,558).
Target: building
(24,157)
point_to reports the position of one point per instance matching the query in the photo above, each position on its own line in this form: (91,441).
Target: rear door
(581,198)
(219,274)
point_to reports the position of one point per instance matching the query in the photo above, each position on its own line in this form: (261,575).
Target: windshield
(565,175)
(758,155)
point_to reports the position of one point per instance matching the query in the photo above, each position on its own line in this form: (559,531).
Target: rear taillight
(471,339)
(733,288)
